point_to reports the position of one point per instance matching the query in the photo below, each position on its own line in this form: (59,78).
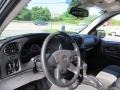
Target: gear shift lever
(84,69)
(90,80)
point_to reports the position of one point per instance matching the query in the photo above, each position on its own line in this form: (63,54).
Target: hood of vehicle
(107,5)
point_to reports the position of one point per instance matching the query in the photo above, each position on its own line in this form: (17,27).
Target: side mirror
(79,12)
(101,33)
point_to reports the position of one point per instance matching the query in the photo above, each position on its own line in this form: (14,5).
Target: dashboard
(16,52)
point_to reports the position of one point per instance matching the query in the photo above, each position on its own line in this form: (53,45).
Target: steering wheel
(61,60)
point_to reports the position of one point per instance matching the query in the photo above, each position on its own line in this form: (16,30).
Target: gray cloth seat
(109,75)
(116,85)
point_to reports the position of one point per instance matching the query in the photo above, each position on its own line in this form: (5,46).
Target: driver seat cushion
(109,75)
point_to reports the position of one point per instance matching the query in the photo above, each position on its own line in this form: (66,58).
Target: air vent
(11,48)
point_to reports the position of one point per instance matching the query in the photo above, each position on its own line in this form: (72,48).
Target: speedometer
(35,49)
(29,51)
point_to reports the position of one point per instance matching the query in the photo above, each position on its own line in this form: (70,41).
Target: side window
(110,29)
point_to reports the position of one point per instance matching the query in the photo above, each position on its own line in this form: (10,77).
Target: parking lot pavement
(17,28)
(24,27)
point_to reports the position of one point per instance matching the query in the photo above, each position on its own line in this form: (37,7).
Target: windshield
(47,16)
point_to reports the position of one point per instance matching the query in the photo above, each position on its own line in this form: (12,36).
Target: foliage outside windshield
(47,16)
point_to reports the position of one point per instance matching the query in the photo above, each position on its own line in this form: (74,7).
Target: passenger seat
(109,75)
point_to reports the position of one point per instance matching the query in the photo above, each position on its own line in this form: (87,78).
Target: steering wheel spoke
(67,53)
(72,68)
(57,74)
(74,53)
(51,61)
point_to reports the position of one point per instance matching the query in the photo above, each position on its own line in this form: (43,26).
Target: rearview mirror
(101,33)
(79,12)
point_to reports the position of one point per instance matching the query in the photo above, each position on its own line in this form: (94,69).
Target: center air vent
(11,48)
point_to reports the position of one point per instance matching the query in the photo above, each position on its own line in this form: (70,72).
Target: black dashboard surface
(16,52)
